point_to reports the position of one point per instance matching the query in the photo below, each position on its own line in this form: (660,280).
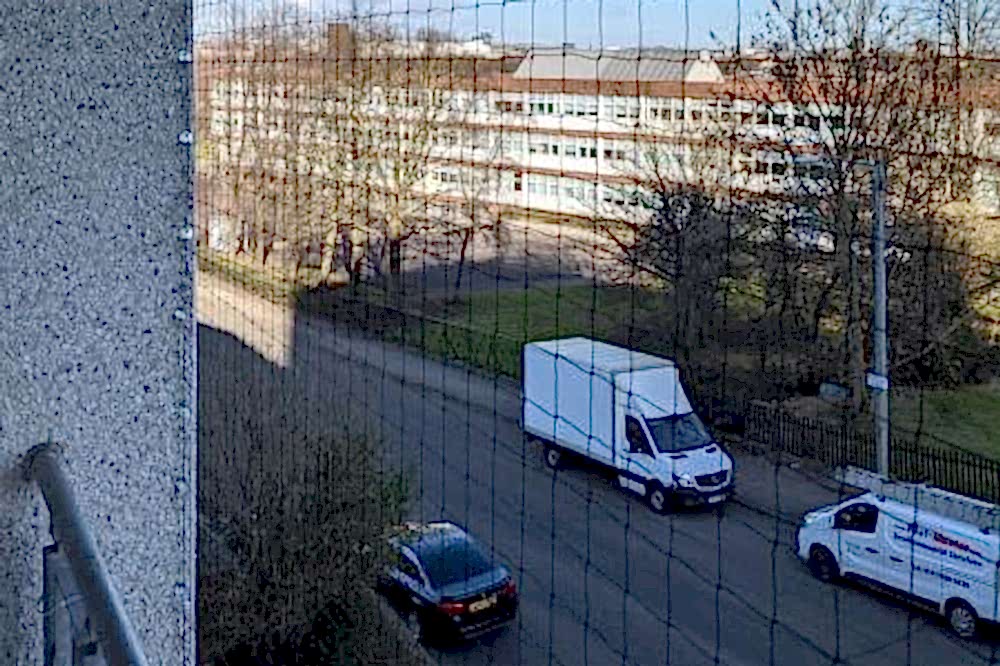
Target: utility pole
(878,380)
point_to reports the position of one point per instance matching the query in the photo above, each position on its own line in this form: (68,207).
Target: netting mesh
(394,198)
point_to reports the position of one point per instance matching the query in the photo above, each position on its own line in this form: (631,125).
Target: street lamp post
(878,378)
(880,394)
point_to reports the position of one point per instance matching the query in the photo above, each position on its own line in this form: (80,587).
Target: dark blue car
(445,585)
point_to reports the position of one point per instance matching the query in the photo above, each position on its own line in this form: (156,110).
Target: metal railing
(84,623)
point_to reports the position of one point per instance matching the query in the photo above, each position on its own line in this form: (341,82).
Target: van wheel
(962,618)
(823,564)
(656,497)
(553,457)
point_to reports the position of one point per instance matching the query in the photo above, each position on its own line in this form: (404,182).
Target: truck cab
(673,457)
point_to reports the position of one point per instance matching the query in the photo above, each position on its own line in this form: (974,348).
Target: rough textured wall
(96,325)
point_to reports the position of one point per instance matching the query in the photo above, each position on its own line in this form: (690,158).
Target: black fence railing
(838,445)
(84,621)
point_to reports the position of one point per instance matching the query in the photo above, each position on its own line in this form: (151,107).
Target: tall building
(556,131)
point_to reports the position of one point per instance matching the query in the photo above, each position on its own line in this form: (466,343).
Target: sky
(586,23)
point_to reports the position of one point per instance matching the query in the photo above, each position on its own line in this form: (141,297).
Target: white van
(626,412)
(935,547)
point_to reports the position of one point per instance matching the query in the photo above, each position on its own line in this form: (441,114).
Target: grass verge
(968,416)
(271,282)
(487,330)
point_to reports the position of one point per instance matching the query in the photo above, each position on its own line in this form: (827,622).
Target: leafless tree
(380,117)
(874,92)
(967,34)
(464,199)
(965,27)
(669,220)
(255,124)
(330,150)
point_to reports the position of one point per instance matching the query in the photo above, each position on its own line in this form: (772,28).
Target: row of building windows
(630,154)
(698,112)
(518,145)
(764,170)
(570,190)
(565,188)
(622,152)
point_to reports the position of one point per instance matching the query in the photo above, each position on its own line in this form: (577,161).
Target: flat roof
(601,356)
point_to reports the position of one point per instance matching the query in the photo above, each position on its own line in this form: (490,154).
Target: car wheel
(962,618)
(553,457)
(823,564)
(656,497)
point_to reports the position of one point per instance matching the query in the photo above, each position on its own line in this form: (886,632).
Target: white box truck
(626,412)
(933,547)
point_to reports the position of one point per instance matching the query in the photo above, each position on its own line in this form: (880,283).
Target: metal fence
(833,445)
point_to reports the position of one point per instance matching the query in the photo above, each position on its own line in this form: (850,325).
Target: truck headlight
(683,480)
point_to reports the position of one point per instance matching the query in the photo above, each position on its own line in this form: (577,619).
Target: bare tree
(669,221)
(330,152)
(862,87)
(377,122)
(966,33)
(256,124)
(464,198)
(965,27)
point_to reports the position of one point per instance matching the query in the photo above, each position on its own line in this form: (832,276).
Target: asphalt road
(603,580)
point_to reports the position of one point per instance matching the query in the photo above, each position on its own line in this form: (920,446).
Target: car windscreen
(453,563)
(679,432)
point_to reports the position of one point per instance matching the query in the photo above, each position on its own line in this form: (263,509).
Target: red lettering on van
(948,541)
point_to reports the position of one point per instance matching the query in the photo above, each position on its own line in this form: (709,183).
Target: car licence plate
(483,604)
(716,498)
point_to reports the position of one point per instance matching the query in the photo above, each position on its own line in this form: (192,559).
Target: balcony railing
(84,622)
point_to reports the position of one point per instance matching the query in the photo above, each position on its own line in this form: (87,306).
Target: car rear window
(454,562)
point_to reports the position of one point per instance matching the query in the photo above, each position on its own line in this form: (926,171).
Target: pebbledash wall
(97,337)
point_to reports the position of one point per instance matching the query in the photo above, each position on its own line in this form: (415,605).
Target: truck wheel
(553,457)
(962,618)
(823,564)
(656,497)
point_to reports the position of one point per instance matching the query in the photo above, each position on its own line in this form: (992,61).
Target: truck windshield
(679,432)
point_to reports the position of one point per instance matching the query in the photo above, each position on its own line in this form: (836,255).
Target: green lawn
(968,416)
(488,329)
(267,281)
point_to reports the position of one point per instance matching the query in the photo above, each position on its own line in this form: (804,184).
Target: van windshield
(679,432)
